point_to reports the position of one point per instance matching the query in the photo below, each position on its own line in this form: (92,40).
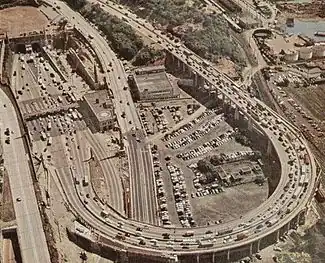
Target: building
(247,22)
(152,83)
(99,108)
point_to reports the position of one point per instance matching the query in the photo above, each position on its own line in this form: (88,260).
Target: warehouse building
(152,83)
(99,108)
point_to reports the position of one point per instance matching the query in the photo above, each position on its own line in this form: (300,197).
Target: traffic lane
(114,182)
(33,247)
(134,167)
(143,174)
(146,157)
(102,45)
(136,187)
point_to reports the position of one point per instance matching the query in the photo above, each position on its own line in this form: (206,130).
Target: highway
(118,80)
(289,149)
(33,246)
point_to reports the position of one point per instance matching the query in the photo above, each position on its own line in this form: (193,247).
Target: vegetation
(121,36)
(213,41)
(206,35)
(76,4)
(147,55)
(168,12)
(208,169)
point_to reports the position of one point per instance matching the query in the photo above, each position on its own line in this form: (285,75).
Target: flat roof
(153,82)
(101,104)
(148,69)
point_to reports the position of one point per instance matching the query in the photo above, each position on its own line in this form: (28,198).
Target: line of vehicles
(222,233)
(187,126)
(207,146)
(197,134)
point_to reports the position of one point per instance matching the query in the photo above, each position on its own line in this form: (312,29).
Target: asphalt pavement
(30,230)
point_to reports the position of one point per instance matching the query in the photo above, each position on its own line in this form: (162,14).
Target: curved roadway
(289,150)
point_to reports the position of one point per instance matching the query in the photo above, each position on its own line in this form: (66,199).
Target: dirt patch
(228,67)
(18,20)
(7,212)
(229,205)
(97,179)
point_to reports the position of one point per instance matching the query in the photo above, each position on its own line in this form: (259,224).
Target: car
(18,199)
(7,140)
(125,87)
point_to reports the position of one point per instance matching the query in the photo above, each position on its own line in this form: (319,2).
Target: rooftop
(153,82)
(144,70)
(100,104)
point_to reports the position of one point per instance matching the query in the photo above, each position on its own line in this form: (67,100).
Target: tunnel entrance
(11,247)
(21,48)
(36,47)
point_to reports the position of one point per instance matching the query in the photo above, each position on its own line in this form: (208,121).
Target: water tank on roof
(305,53)
(291,55)
(319,51)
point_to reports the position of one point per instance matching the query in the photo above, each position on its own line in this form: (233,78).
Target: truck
(74,115)
(272,222)
(73,98)
(224,231)
(49,141)
(188,233)
(306,159)
(205,243)
(43,136)
(187,53)
(85,181)
(241,236)
(205,63)
(79,115)
(297,192)
(104,213)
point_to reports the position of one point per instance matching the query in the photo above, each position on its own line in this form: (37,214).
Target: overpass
(283,210)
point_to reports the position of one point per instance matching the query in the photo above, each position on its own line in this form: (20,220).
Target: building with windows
(152,83)
(99,108)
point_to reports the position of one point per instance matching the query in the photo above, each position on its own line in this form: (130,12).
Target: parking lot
(188,126)
(159,117)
